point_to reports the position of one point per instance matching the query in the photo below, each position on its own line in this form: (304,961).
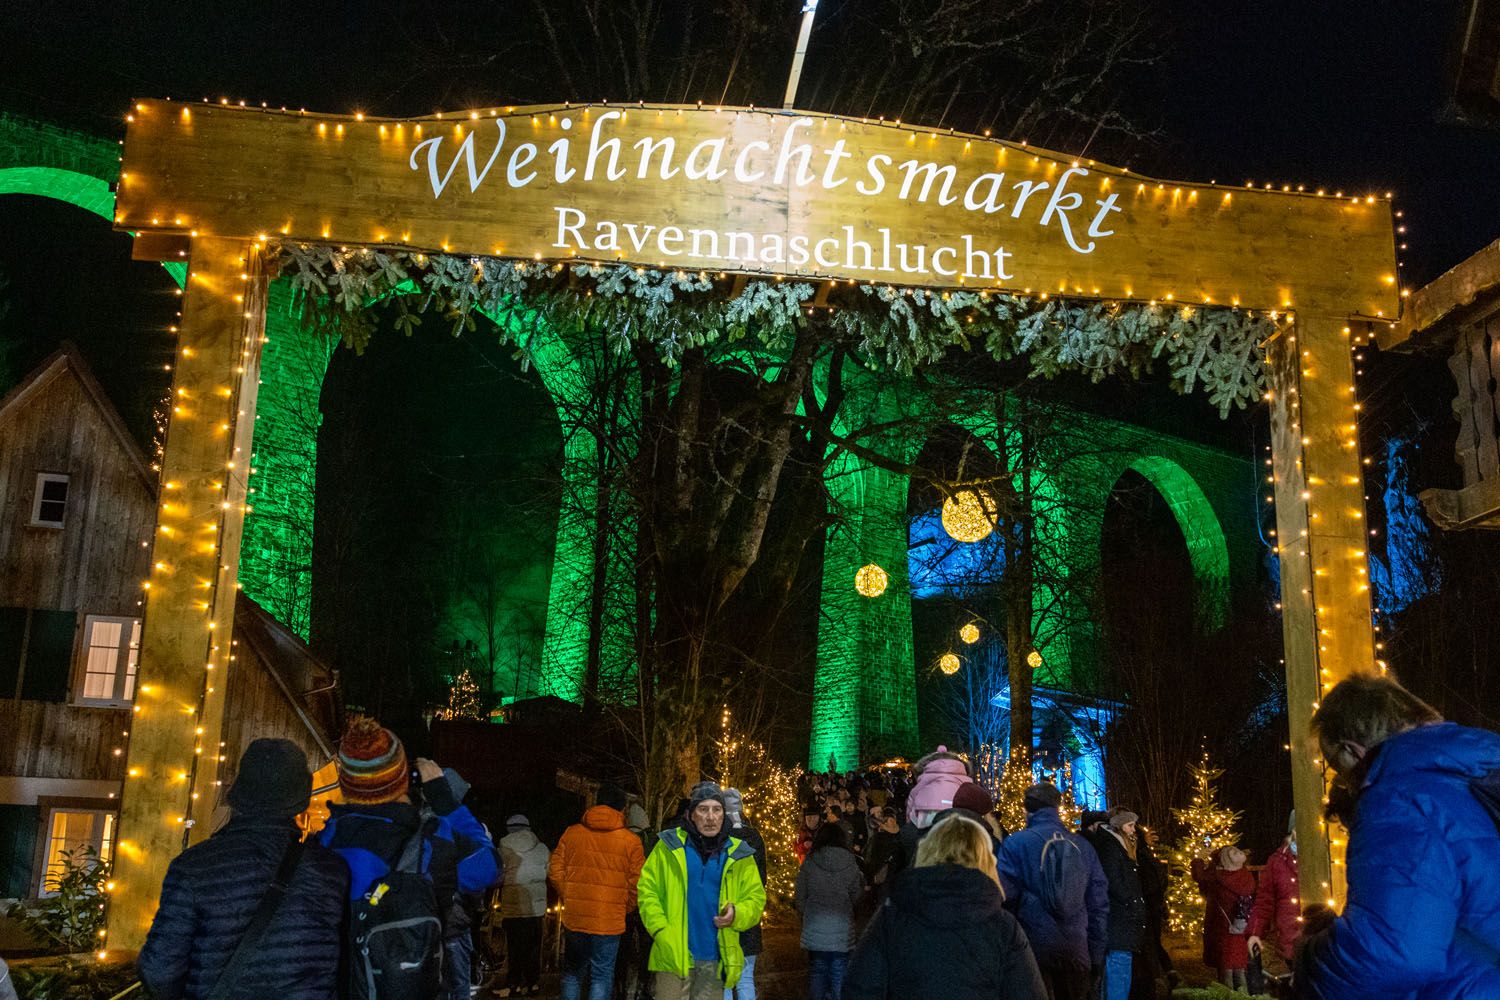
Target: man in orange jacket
(595,870)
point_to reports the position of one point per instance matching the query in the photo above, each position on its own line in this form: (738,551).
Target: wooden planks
(1322,537)
(110,509)
(175,740)
(509,183)
(41,739)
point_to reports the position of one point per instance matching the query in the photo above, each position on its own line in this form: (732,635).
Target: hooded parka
(595,869)
(942,934)
(523,891)
(829,885)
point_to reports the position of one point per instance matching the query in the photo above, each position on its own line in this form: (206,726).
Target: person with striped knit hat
(377,822)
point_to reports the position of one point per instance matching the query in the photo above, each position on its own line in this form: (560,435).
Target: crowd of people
(908,885)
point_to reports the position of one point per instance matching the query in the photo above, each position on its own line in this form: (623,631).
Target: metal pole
(809,11)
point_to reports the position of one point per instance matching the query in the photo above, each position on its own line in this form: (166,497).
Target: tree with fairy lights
(1010,796)
(770,796)
(463,698)
(1207,826)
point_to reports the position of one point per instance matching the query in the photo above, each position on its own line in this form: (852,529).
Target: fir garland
(1211,349)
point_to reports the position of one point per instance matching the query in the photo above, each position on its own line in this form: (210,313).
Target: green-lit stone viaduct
(865,690)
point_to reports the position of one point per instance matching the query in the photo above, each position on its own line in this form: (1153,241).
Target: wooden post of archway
(642,185)
(1322,539)
(171,784)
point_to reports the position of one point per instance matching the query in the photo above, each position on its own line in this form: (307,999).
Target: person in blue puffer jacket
(1422,919)
(213,889)
(1069,947)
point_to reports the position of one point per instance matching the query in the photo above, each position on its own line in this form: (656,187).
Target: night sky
(1337,94)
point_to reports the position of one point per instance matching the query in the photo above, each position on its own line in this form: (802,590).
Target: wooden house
(77,509)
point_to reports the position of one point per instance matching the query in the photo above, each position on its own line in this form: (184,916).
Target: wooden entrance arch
(723,189)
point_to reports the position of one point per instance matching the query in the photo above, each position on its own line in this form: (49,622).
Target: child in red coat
(1228,890)
(1277,907)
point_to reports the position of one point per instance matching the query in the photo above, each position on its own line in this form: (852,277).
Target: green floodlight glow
(864,698)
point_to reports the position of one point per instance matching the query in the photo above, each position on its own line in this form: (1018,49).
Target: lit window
(51,503)
(69,832)
(111,652)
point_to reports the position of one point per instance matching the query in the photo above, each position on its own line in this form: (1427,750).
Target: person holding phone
(700,890)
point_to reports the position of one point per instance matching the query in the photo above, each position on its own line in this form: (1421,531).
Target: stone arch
(45,161)
(1208,550)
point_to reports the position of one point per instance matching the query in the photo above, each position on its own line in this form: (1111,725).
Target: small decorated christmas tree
(463,698)
(1010,796)
(1207,826)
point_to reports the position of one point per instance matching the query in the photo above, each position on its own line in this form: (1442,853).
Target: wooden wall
(95,563)
(40,739)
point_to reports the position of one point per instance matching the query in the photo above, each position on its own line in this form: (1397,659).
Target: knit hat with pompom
(372,763)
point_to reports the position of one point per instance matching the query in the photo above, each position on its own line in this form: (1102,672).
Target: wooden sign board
(751,191)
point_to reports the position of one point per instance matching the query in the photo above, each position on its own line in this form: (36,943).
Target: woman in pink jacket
(1276,904)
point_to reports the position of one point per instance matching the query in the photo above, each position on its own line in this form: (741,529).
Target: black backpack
(397,933)
(1064,880)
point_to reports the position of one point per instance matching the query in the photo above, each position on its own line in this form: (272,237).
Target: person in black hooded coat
(213,889)
(943,933)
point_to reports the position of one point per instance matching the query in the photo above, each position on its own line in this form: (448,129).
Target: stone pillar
(171,784)
(276,559)
(1322,539)
(864,694)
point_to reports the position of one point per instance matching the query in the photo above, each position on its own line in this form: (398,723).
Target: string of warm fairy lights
(191,526)
(391,127)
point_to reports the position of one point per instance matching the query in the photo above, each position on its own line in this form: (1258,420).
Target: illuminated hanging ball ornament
(969,515)
(969,633)
(870,580)
(1033,659)
(949,663)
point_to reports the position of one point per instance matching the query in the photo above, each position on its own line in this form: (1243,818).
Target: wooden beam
(1476,506)
(171,784)
(1322,539)
(808,194)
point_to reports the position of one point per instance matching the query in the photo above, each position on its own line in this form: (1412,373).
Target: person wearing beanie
(378,819)
(1114,840)
(812,818)
(938,777)
(595,870)
(1070,943)
(752,941)
(1228,891)
(213,889)
(523,904)
(1276,900)
(971,801)
(700,890)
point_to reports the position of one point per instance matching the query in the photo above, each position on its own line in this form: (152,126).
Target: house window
(68,832)
(51,503)
(111,652)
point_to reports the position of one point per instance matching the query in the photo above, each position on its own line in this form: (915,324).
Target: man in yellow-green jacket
(699,891)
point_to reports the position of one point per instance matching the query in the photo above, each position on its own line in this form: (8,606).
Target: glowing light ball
(870,580)
(949,663)
(969,515)
(1033,659)
(969,633)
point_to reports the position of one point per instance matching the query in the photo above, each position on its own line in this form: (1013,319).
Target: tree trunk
(1019,590)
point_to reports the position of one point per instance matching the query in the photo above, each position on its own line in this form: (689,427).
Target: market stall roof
(1431,313)
(1459,314)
